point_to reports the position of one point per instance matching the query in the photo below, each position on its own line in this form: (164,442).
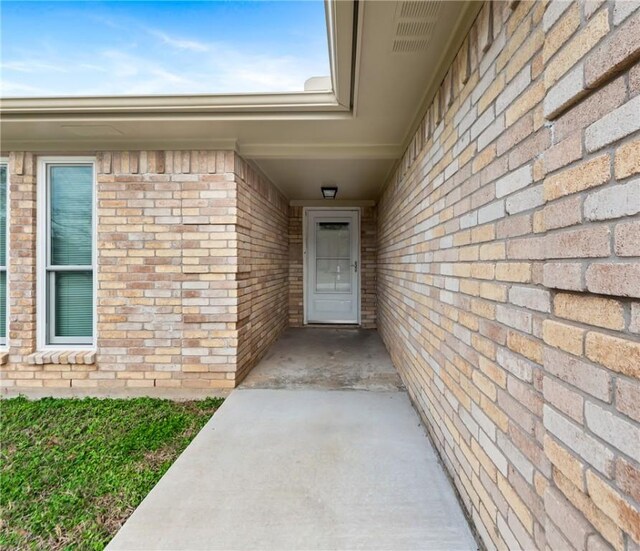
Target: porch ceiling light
(329,192)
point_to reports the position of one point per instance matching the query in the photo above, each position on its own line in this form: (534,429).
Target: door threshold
(334,325)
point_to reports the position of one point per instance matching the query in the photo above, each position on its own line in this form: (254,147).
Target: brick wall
(368,248)
(368,263)
(296,280)
(263,221)
(188,242)
(509,274)
(21,338)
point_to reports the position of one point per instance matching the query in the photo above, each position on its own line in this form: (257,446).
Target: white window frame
(42,242)
(4,343)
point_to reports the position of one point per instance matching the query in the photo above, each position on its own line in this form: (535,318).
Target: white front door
(332,256)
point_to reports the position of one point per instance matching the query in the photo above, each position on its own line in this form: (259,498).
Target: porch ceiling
(352,146)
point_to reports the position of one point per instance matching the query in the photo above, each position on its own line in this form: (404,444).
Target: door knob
(355,266)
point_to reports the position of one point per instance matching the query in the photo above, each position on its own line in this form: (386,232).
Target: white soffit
(303,178)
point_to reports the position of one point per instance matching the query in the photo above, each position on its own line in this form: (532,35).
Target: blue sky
(167,47)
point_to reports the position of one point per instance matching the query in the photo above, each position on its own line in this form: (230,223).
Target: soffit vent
(415,22)
(415,28)
(408,46)
(418,9)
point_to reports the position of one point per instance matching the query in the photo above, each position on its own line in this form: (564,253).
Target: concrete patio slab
(326,358)
(303,469)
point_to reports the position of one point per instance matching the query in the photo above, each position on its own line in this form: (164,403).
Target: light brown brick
(574,527)
(614,279)
(563,275)
(591,310)
(560,214)
(634,321)
(593,172)
(513,271)
(563,153)
(614,505)
(582,502)
(616,53)
(564,399)
(522,55)
(565,462)
(591,109)
(565,337)
(617,354)
(627,239)
(515,133)
(561,31)
(576,48)
(527,101)
(628,398)
(526,346)
(483,159)
(628,478)
(627,159)
(578,373)
(491,92)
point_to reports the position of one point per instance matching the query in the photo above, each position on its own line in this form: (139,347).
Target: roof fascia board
(133,106)
(341,21)
(101,118)
(359,6)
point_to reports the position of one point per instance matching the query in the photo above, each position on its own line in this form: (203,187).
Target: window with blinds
(69,253)
(3,252)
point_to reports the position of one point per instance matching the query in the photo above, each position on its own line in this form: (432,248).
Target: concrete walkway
(281,469)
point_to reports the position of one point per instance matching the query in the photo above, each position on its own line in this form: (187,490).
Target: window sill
(77,357)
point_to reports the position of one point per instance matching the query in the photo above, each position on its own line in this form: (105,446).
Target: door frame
(305,275)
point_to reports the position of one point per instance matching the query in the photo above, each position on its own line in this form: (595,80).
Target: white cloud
(178,43)
(172,66)
(32,66)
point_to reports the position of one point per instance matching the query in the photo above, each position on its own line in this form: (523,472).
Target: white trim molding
(42,341)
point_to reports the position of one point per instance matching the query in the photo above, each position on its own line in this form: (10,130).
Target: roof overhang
(341,18)
(351,136)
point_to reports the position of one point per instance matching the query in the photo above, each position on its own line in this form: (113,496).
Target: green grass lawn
(73,470)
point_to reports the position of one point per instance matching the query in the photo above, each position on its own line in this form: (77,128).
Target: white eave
(136,105)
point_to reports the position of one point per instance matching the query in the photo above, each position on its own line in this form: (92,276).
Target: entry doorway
(332,265)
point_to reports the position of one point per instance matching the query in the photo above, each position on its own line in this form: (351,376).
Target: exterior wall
(188,242)
(296,280)
(368,248)
(21,337)
(263,220)
(509,274)
(368,265)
